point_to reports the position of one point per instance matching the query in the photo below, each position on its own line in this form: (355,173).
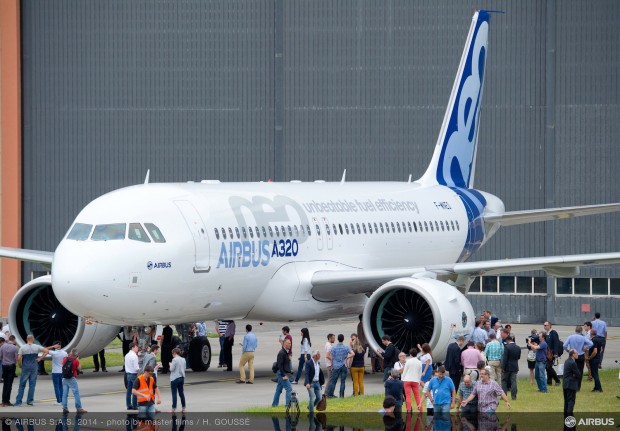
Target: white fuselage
(202,272)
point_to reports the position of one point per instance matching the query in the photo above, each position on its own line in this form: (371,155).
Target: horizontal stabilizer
(532,216)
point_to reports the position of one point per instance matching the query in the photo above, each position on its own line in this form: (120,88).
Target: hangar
(93,94)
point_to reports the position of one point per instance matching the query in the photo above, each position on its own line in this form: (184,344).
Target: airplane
(175,253)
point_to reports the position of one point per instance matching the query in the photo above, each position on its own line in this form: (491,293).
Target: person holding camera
(538,344)
(58,355)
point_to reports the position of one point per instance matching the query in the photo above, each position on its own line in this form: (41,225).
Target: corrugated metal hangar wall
(248,90)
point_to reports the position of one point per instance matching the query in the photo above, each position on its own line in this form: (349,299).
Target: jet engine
(36,310)
(418,310)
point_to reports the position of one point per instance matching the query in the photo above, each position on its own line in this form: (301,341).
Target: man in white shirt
(132,367)
(331,338)
(57,355)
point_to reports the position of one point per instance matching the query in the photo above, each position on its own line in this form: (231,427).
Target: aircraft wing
(43,257)
(530,216)
(336,284)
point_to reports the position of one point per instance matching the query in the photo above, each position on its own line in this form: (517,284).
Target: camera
(533,339)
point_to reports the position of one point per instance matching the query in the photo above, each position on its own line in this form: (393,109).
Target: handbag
(531,356)
(322,405)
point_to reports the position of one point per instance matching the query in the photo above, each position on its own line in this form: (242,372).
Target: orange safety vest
(145,390)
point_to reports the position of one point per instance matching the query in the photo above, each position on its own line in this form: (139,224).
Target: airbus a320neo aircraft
(396,251)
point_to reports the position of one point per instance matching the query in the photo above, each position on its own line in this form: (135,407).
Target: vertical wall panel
(188,89)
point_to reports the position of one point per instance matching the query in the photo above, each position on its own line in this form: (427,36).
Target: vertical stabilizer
(455,153)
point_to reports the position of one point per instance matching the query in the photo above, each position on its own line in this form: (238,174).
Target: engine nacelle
(418,310)
(36,310)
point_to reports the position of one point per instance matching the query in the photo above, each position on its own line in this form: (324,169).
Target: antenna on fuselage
(148,174)
(409,179)
(344,176)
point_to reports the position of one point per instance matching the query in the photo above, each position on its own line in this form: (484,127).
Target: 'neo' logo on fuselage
(243,254)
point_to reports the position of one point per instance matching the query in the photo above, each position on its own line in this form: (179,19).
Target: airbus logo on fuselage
(243,254)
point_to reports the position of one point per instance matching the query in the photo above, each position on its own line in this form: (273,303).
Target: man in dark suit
(553,344)
(453,361)
(572,377)
(510,366)
(314,381)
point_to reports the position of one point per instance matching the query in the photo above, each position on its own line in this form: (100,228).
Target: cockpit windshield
(106,232)
(80,232)
(137,233)
(116,231)
(155,232)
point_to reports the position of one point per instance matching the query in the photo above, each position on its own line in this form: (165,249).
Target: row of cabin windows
(351,228)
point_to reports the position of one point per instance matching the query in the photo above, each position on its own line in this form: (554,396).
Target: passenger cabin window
(270,231)
(364,227)
(137,233)
(346,228)
(251,231)
(154,232)
(283,231)
(264,232)
(224,233)
(370,227)
(107,232)
(308,229)
(244,232)
(277,231)
(352,229)
(359,231)
(257,231)
(318,229)
(296,230)
(327,229)
(237,232)
(340,227)
(217,233)
(409,224)
(80,232)
(230,235)
(334,229)
(290,231)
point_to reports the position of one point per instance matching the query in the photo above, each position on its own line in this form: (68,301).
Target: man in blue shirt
(479,335)
(248,347)
(540,372)
(338,354)
(601,330)
(440,391)
(578,342)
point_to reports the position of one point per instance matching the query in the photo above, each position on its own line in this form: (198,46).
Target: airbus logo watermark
(571,421)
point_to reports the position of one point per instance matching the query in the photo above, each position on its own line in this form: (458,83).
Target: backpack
(67,368)
(274,367)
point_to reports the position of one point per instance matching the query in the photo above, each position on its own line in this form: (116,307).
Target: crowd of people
(473,377)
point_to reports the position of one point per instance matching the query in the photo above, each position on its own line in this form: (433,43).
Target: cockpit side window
(80,232)
(107,232)
(155,232)
(137,233)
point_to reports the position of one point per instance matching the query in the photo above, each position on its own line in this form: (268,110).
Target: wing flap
(336,284)
(531,216)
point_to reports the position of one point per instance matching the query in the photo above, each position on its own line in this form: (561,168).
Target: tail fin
(454,158)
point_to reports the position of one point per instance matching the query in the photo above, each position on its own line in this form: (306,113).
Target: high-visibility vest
(146,391)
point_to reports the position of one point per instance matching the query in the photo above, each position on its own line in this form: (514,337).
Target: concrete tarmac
(216,391)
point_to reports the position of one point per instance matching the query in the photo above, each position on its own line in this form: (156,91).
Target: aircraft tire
(199,354)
